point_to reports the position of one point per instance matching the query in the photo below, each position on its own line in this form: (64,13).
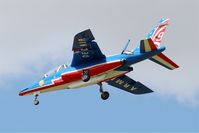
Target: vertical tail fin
(147,45)
(157,33)
(152,43)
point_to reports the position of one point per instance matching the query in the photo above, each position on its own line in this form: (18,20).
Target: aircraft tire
(104,95)
(36,102)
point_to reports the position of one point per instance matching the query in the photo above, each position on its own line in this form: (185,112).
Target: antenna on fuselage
(125,47)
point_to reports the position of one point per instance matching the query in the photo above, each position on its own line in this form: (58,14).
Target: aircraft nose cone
(21,92)
(29,89)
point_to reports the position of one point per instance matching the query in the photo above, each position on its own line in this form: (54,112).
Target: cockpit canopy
(57,69)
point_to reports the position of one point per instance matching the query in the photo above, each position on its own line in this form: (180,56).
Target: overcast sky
(36,36)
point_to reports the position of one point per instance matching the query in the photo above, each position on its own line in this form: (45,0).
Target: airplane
(90,66)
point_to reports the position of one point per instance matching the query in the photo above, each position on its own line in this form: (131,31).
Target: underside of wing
(127,84)
(85,49)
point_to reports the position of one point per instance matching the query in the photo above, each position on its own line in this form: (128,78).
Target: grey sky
(35,35)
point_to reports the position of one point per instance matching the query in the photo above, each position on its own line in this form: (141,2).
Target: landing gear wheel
(105,95)
(36,102)
(85,76)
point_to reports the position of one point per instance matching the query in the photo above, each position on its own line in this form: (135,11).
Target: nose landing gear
(36,102)
(104,94)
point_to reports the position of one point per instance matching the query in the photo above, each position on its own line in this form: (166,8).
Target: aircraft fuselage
(71,77)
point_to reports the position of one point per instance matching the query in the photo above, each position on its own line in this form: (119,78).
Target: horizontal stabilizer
(148,45)
(127,84)
(164,61)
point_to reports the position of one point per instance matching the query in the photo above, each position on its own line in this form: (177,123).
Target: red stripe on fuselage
(93,71)
(76,75)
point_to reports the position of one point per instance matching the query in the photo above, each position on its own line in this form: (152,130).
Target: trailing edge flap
(127,84)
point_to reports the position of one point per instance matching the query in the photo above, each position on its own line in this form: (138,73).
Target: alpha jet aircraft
(90,66)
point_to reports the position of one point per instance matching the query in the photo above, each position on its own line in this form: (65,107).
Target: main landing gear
(104,94)
(36,102)
(85,75)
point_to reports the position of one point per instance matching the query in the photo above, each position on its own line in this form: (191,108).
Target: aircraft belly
(59,87)
(77,84)
(96,79)
(93,80)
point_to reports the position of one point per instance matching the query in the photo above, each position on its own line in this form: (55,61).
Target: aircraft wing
(85,49)
(127,84)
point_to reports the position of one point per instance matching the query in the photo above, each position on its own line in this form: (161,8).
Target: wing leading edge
(85,48)
(127,84)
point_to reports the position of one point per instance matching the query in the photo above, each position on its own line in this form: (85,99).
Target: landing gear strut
(36,102)
(85,76)
(104,94)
